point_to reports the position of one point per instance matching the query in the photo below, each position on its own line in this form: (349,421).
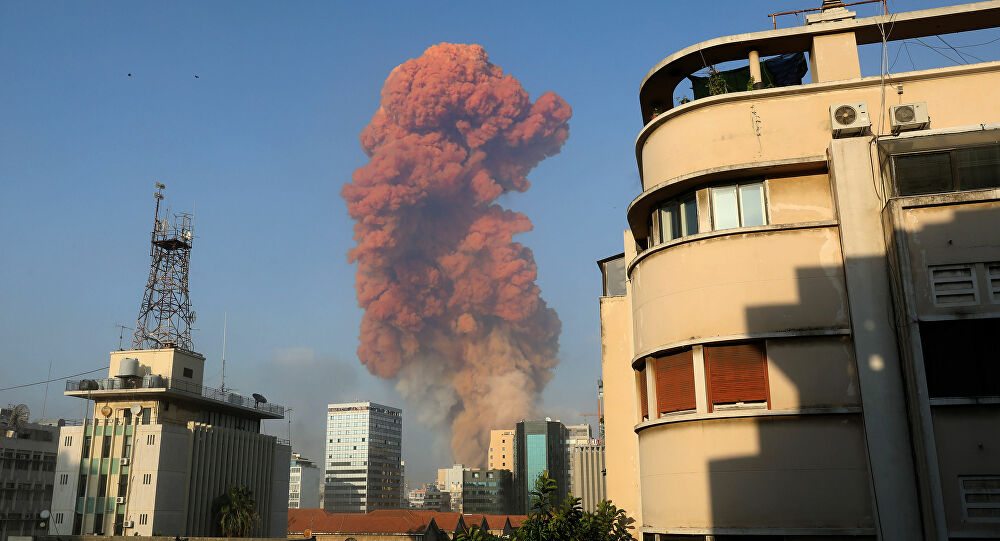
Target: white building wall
(68,464)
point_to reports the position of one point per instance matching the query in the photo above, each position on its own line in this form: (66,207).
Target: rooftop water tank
(128,368)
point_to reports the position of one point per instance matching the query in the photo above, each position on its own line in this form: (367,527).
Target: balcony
(160,383)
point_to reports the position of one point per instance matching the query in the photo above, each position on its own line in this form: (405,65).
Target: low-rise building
(27,466)
(450,480)
(303,483)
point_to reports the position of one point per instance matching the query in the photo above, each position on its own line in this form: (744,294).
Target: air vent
(954,285)
(981,498)
(847,119)
(909,116)
(993,274)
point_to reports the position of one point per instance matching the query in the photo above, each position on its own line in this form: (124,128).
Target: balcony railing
(160,382)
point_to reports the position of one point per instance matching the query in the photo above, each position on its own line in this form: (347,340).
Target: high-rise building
(539,446)
(501,453)
(799,336)
(450,481)
(586,473)
(303,483)
(27,462)
(363,450)
(487,491)
(159,447)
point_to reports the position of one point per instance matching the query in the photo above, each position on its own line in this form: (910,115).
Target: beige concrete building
(501,454)
(160,448)
(586,473)
(27,462)
(798,338)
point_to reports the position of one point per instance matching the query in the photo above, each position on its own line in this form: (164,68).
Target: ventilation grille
(981,498)
(954,285)
(904,114)
(993,273)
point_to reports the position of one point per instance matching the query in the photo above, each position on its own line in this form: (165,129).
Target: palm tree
(236,512)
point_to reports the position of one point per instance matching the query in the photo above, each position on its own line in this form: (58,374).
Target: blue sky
(260,145)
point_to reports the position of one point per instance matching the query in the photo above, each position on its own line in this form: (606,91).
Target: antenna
(165,316)
(121,334)
(225,324)
(45,397)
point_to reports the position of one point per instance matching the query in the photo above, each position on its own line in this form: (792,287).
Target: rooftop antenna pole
(45,397)
(225,325)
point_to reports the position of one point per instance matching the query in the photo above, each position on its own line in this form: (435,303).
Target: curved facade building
(795,336)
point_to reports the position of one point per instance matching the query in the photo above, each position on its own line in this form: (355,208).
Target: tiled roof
(410,521)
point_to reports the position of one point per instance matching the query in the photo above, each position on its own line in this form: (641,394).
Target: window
(122,485)
(145,416)
(981,498)
(127,416)
(736,374)
(106,447)
(81,486)
(63,478)
(188,373)
(67,441)
(102,485)
(127,446)
(674,376)
(674,219)
(947,171)
(960,357)
(643,395)
(86,446)
(738,205)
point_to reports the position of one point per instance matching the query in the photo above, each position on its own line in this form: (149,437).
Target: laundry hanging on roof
(777,71)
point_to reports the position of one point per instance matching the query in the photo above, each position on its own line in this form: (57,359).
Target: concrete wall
(165,362)
(587,475)
(718,131)
(968,443)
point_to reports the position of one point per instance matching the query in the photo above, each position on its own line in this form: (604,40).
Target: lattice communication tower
(165,317)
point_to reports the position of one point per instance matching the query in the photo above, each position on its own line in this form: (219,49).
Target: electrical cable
(52,380)
(938,51)
(960,54)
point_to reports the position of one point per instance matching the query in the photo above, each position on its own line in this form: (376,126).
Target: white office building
(363,452)
(303,483)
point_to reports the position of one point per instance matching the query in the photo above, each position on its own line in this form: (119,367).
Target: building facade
(303,483)
(487,492)
(539,446)
(160,448)
(27,469)
(501,453)
(794,336)
(586,473)
(363,458)
(450,481)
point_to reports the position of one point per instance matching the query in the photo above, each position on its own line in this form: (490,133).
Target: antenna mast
(165,317)
(225,323)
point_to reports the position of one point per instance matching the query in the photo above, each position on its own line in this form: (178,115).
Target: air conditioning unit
(909,116)
(128,524)
(123,462)
(849,119)
(120,499)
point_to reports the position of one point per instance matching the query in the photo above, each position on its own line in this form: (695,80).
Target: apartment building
(363,464)
(27,466)
(501,453)
(303,483)
(797,336)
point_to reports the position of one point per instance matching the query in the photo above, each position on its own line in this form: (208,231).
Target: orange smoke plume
(452,310)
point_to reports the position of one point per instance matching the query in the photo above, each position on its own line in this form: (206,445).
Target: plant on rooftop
(566,521)
(716,82)
(236,512)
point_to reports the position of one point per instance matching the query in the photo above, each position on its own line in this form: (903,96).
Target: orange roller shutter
(736,373)
(675,382)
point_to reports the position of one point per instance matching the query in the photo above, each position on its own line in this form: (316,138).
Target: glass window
(674,219)
(725,208)
(923,173)
(752,204)
(689,216)
(86,446)
(669,229)
(978,168)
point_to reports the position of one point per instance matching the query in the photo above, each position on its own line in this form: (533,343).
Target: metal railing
(160,382)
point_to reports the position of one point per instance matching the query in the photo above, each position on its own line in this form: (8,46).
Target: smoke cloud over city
(451,308)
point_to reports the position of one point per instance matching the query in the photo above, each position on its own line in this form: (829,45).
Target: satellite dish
(259,398)
(45,513)
(193,316)
(186,235)
(106,411)
(18,417)
(136,409)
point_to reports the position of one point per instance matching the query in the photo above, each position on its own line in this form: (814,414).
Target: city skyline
(103,102)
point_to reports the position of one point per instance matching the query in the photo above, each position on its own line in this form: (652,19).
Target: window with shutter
(736,374)
(643,395)
(675,383)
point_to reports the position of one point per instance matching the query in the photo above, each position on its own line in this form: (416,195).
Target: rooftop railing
(173,384)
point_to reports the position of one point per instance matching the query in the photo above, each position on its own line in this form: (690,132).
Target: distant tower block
(165,317)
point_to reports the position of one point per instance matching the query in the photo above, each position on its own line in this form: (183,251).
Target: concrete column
(700,386)
(651,389)
(834,57)
(758,80)
(873,329)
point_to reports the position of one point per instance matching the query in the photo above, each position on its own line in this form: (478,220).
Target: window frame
(681,357)
(956,179)
(737,187)
(682,227)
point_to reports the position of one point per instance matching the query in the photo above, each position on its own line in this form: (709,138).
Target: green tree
(236,512)
(566,521)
